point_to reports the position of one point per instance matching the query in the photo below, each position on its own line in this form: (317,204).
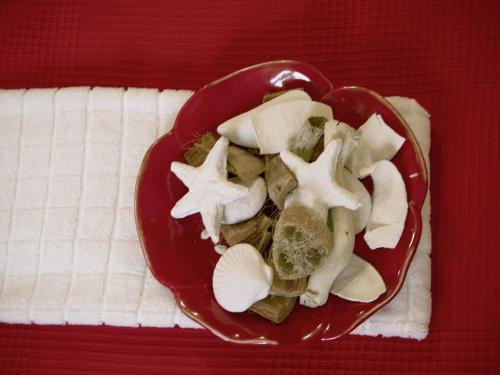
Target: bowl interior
(180,260)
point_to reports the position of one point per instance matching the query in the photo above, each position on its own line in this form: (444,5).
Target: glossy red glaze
(183,262)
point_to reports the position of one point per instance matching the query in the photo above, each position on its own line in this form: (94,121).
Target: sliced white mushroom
(276,127)
(378,141)
(241,278)
(362,214)
(384,236)
(249,206)
(239,129)
(336,129)
(389,206)
(359,281)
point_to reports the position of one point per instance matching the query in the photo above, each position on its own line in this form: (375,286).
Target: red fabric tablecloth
(443,53)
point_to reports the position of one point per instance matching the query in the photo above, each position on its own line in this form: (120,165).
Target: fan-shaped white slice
(239,129)
(336,129)
(362,214)
(389,206)
(377,142)
(386,236)
(276,127)
(241,278)
(249,206)
(359,281)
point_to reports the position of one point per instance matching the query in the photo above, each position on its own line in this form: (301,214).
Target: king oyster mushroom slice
(247,207)
(389,206)
(377,141)
(241,278)
(239,129)
(276,127)
(359,281)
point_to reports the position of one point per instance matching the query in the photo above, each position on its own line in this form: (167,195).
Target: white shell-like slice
(247,207)
(359,281)
(360,216)
(276,127)
(241,278)
(377,142)
(389,206)
(336,129)
(239,129)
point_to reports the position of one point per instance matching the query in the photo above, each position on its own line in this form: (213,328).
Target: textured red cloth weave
(443,53)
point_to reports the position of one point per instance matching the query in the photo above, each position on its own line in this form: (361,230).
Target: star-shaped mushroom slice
(209,189)
(317,186)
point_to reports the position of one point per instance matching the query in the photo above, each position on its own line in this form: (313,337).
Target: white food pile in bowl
(330,185)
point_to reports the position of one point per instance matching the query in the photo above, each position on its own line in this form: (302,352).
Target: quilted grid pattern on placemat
(69,246)
(73,213)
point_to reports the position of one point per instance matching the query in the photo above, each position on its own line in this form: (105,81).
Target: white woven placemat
(69,251)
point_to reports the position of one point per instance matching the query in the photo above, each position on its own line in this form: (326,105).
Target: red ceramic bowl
(183,262)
